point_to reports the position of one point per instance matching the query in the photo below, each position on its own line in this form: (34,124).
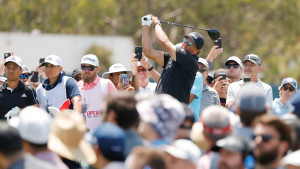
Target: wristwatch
(151,68)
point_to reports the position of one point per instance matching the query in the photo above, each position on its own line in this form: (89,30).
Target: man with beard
(271,141)
(92,89)
(234,68)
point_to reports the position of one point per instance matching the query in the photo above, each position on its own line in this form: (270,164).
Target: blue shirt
(278,108)
(197,91)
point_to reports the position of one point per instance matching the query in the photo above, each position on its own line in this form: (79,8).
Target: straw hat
(66,138)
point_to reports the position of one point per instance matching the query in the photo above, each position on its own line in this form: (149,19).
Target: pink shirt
(85,86)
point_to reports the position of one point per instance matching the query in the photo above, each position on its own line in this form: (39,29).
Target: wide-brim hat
(118,67)
(66,138)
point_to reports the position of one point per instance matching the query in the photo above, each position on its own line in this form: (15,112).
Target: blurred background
(111,29)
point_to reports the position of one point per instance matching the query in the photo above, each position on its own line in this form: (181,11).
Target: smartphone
(124,79)
(42,60)
(218,42)
(246,80)
(35,76)
(223,76)
(138,52)
(6,55)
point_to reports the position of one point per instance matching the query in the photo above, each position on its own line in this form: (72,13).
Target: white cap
(90,59)
(52,59)
(118,67)
(204,62)
(14,59)
(26,69)
(34,125)
(185,150)
(235,59)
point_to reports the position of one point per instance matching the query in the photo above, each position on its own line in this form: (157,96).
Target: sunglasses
(185,40)
(286,88)
(228,66)
(264,137)
(22,76)
(90,68)
(201,70)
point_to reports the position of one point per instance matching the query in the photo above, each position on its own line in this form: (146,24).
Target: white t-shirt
(149,88)
(234,88)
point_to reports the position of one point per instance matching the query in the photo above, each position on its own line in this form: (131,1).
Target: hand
(129,88)
(218,83)
(134,60)
(154,20)
(145,62)
(214,52)
(146,20)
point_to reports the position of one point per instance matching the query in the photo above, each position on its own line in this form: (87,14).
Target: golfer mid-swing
(179,63)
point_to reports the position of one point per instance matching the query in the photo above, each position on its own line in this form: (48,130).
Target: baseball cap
(14,59)
(185,150)
(164,113)
(3,79)
(118,67)
(26,69)
(34,125)
(111,140)
(253,58)
(235,59)
(215,120)
(233,144)
(10,140)
(197,39)
(294,103)
(218,72)
(90,59)
(76,72)
(204,62)
(52,59)
(251,98)
(290,81)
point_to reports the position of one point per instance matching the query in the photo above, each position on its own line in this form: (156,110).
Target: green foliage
(268,28)
(103,56)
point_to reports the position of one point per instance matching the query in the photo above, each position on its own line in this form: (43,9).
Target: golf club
(214,34)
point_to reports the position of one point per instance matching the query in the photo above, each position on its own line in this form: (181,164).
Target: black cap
(197,39)
(10,140)
(76,72)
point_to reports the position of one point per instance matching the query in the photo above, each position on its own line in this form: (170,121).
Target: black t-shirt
(178,76)
(21,96)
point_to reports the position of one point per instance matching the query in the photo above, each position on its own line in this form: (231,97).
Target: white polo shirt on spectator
(234,88)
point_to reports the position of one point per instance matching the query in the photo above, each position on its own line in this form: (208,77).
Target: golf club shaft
(177,24)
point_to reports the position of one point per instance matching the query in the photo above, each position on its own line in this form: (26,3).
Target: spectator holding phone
(26,73)
(286,90)
(114,74)
(57,89)
(221,85)
(14,93)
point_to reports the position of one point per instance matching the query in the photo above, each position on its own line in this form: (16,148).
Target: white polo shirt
(234,88)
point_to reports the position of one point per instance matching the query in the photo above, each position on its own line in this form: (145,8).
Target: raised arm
(163,39)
